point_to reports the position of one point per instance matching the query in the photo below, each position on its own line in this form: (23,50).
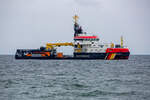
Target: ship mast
(77,28)
(121,41)
(76,17)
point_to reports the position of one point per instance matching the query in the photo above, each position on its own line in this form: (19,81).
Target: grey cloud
(33,23)
(87,2)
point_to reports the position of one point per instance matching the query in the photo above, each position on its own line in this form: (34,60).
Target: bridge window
(101,46)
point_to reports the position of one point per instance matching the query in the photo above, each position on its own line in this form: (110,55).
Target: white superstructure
(89,44)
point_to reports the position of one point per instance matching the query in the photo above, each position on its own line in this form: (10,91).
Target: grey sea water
(75,79)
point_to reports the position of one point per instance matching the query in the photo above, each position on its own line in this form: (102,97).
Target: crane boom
(52,45)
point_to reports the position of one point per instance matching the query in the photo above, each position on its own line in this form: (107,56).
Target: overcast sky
(33,23)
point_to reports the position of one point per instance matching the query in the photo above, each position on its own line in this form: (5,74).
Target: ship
(86,46)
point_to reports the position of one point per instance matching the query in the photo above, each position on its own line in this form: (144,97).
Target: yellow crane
(52,45)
